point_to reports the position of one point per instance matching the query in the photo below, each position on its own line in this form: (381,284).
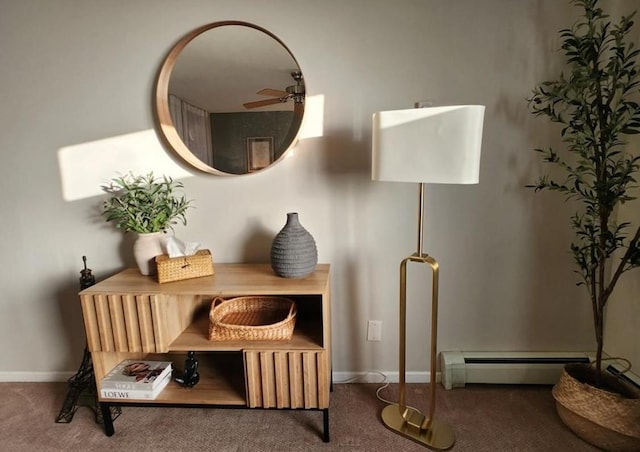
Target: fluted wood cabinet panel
(283,387)
(132,325)
(286,379)
(118,328)
(125,323)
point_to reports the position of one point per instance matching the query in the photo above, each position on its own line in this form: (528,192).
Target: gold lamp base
(399,417)
(437,435)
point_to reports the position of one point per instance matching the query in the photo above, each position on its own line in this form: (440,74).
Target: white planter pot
(146,248)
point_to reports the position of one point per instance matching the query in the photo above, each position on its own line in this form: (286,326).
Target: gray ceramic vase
(293,251)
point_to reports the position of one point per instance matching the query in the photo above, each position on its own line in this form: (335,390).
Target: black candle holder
(190,377)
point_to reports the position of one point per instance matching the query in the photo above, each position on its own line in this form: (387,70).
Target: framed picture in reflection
(259,153)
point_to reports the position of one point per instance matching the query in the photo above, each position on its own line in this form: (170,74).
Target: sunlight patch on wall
(313,122)
(85,167)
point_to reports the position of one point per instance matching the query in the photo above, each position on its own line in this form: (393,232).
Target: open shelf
(306,336)
(221,381)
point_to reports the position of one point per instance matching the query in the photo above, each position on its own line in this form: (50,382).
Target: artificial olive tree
(596,104)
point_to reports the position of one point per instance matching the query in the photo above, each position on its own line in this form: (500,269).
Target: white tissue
(177,248)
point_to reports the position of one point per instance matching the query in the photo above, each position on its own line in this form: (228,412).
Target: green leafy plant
(145,204)
(595,103)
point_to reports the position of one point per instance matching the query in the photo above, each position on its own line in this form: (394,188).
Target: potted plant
(595,104)
(148,206)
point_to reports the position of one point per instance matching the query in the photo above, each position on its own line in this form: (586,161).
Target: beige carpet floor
(484,418)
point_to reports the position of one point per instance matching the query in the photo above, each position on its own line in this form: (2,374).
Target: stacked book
(136,379)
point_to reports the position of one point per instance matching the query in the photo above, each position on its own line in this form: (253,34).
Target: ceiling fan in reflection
(294,92)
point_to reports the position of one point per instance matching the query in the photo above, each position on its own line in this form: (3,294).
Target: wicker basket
(185,267)
(252,319)
(602,418)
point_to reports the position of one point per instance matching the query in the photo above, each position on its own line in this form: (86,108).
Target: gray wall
(81,71)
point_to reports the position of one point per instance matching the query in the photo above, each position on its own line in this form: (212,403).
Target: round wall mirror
(230,98)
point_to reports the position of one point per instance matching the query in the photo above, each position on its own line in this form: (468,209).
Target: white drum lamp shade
(438,145)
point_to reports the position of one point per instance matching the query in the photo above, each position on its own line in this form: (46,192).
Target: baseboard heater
(458,368)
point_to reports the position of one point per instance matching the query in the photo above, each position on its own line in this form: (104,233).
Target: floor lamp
(438,145)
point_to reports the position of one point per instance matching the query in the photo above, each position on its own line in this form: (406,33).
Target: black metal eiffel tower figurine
(82,386)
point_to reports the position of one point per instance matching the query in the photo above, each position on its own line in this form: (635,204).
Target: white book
(136,394)
(136,374)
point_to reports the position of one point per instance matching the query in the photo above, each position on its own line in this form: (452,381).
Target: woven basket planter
(604,419)
(252,319)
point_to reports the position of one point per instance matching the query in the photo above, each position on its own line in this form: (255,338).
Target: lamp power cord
(384,384)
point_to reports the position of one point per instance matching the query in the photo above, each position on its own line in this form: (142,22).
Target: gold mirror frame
(165,121)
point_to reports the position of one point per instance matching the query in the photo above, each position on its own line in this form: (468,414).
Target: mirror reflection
(230,98)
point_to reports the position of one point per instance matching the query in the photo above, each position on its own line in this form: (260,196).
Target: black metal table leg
(107,419)
(325,422)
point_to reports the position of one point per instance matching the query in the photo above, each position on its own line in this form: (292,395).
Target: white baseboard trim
(338,377)
(35,377)
(381,376)
(453,373)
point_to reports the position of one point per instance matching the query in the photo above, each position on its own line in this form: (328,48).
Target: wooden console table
(130,316)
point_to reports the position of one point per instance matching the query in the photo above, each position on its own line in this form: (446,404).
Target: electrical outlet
(374,330)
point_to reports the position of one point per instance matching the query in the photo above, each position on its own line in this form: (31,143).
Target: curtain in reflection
(193,126)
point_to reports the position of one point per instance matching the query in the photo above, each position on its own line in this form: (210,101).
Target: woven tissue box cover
(184,267)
